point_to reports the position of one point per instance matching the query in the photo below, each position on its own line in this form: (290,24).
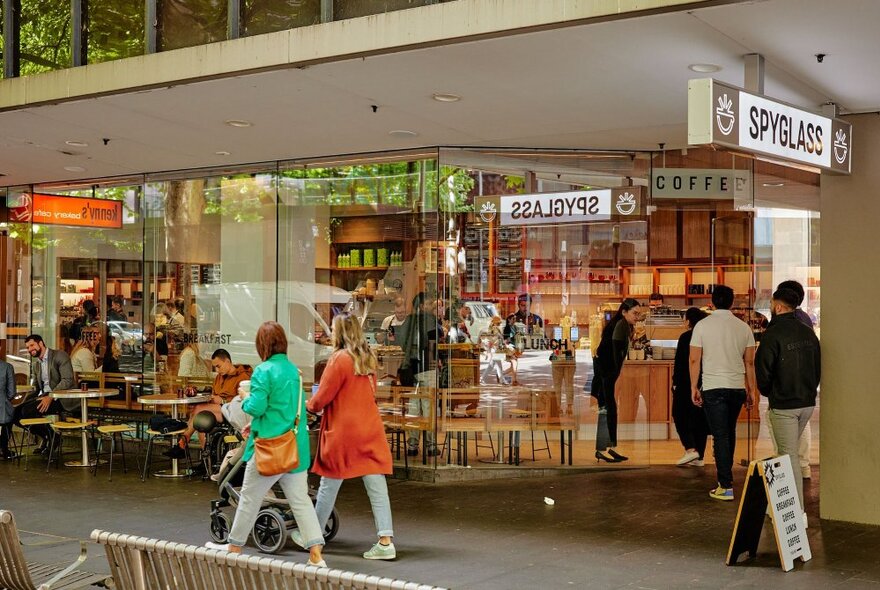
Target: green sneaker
(379,551)
(724,494)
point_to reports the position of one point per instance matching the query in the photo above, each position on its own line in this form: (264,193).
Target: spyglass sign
(568,207)
(720,114)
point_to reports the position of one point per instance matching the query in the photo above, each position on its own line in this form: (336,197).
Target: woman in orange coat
(353,442)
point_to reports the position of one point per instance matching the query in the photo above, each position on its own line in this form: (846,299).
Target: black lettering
(693,181)
(676,183)
(538,210)
(557,207)
(707,182)
(765,123)
(514,210)
(774,127)
(570,202)
(753,118)
(723,184)
(802,141)
(594,205)
(661,182)
(527,210)
(810,134)
(819,145)
(582,205)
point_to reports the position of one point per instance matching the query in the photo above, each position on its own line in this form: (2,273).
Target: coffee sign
(720,114)
(700,183)
(569,207)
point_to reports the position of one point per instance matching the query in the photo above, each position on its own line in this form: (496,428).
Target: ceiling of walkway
(613,85)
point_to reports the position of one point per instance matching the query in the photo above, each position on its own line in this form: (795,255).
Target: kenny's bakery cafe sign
(567,207)
(720,114)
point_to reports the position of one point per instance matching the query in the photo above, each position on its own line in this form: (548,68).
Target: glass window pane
(185,23)
(45,36)
(268,16)
(1,44)
(354,8)
(210,250)
(116,29)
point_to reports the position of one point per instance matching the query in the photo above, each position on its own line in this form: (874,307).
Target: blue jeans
(377,490)
(722,407)
(253,491)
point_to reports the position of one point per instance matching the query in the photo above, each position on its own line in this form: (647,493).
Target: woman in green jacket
(275,401)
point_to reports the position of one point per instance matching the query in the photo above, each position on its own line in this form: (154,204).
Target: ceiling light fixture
(238,123)
(222,153)
(402,133)
(704,68)
(75,143)
(74,168)
(443,97)
(774,184)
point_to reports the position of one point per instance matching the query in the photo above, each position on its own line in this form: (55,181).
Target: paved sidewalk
(638,528)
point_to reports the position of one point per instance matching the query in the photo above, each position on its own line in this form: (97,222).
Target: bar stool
(111,431)
(25,443)
(58,430)
(153,435)
(525,414)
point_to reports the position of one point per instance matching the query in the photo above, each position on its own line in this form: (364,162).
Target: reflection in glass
(115,29)
(269,16)
(355,8)
(45,36)
(185,23)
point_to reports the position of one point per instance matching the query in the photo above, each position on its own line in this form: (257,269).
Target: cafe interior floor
(651,528)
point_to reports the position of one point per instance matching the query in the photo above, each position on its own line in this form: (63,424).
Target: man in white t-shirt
(725,348)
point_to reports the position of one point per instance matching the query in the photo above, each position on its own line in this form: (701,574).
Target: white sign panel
(551,208)
(720,114)
(787,514)
(700,183)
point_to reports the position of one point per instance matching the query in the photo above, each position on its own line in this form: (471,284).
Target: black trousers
(28,409)
(4,437)
(690,421)
(608,401)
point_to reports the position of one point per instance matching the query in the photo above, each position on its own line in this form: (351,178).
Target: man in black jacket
(787,368)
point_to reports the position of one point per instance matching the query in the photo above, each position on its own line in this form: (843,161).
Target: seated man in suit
(51,370)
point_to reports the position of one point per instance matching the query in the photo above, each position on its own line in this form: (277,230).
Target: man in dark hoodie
(787,369)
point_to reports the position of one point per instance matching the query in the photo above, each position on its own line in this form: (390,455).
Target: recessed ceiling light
(222,153)
(774,184)
(704,68)
(402,133)
(75,143)
(74,168)
(238,123)
(441,97)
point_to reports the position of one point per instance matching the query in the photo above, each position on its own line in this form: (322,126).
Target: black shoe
(175,452)
(6,455)
(617,456)
(600,456)
(412,452)
(41,450)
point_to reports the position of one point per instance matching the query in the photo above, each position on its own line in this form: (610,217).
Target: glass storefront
(511,260)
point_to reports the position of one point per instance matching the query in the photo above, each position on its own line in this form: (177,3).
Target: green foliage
(115,29)
(45,36)
(454,188)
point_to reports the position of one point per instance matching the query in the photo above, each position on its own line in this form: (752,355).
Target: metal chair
(111,431)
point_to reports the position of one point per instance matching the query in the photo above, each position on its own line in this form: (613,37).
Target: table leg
(84,460)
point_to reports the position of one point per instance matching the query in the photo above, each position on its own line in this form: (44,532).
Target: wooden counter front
(652,380)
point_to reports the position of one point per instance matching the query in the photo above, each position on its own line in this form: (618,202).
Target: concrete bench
(139,563)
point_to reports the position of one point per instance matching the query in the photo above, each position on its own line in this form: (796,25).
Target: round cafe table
(83,396)
(171,399)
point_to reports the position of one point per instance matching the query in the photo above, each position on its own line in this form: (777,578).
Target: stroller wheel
(220,526)
(269,531)
(332,526)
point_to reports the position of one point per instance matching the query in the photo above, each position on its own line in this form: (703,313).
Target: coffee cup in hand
(244,389)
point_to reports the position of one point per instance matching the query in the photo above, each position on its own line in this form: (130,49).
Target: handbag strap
(298,406)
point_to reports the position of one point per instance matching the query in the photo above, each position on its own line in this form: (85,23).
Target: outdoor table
(83,396)
(171,399)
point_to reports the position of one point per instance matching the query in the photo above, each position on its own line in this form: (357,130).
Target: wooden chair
(18,574)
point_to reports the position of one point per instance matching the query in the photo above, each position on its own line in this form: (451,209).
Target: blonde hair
(348,336)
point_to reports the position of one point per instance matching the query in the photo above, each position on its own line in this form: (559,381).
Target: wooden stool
(25,445)
(58,430)
(111,431)
(517,413)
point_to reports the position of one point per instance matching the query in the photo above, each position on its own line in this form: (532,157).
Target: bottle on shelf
(339,260)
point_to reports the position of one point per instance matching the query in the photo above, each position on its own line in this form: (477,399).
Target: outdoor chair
(18,574)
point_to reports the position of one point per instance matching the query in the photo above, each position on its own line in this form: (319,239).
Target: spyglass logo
(840,147)
(626,203)
(488,211)
(724,115)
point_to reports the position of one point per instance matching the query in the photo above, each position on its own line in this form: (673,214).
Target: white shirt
(724,339)
(44,370)
(392,321)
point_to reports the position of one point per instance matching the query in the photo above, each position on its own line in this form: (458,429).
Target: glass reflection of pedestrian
(690,421)
(611,354)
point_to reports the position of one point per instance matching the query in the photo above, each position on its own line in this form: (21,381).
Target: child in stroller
(275,518)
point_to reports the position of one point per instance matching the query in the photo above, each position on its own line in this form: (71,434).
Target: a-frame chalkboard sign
(770,481)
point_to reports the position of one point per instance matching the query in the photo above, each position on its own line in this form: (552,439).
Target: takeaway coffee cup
(244,389)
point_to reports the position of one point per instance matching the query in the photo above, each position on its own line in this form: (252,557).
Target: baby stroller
(275,519)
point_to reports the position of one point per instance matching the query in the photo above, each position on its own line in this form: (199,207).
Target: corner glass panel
(15,297)
(343,9)
(187,23)
(269,16)
(116,29)
(45,36)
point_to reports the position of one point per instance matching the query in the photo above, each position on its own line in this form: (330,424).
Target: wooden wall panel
(664,235)
(696,235)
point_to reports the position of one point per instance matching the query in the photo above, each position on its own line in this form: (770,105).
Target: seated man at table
(225,388)
(50,371)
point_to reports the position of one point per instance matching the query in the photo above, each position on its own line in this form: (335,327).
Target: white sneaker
(806,521)
(321,563)
(697,463)
(806,472)
(217,546)
(687,458)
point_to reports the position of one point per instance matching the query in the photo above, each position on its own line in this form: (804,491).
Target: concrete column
(850,407)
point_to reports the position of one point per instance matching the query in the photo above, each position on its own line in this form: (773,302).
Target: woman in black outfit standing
(690,421)
(612,352)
